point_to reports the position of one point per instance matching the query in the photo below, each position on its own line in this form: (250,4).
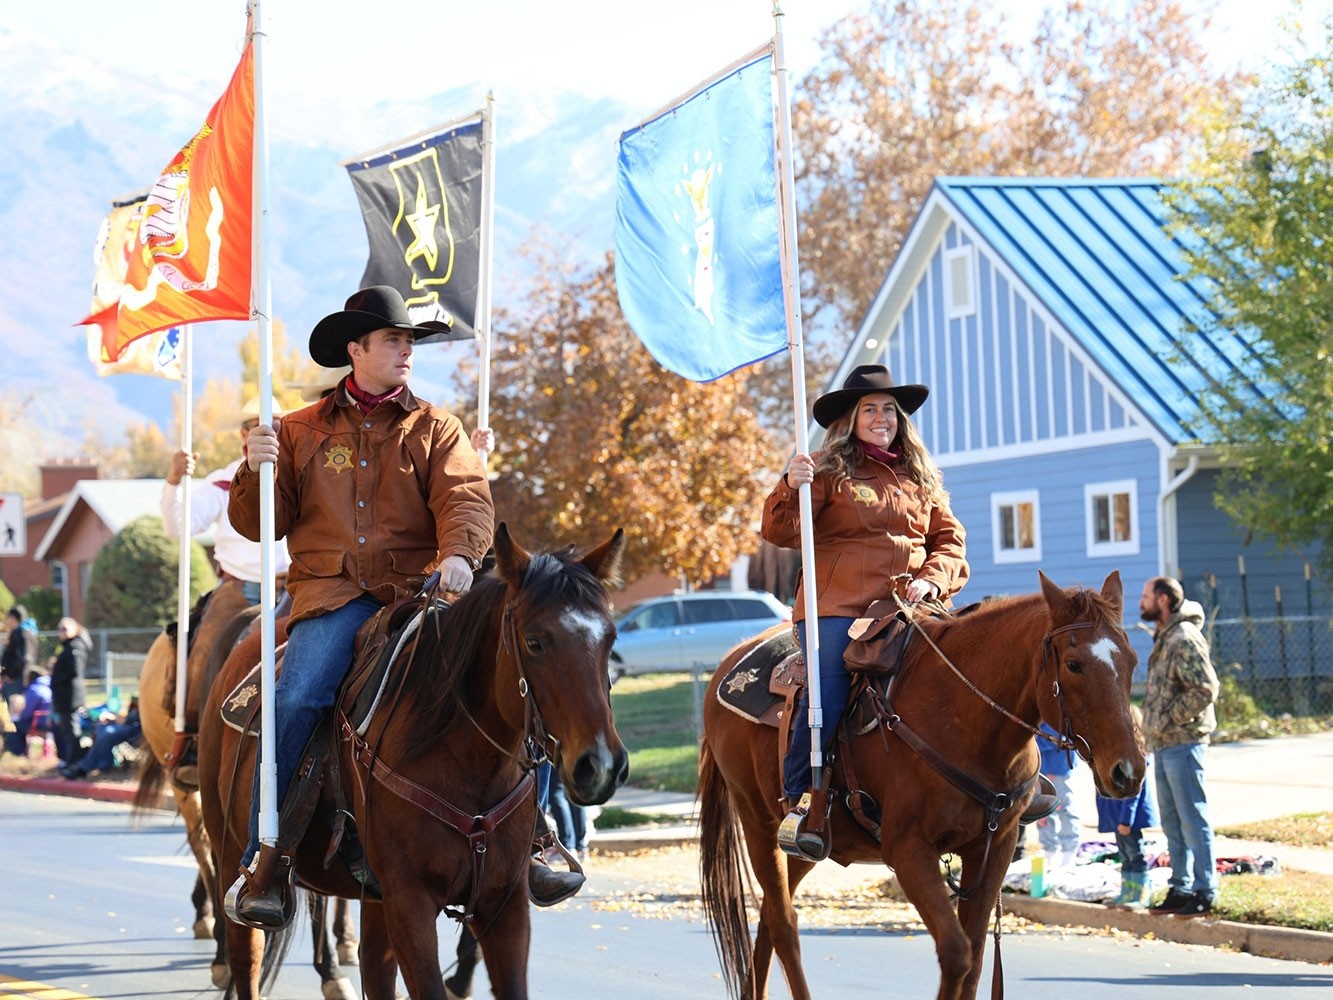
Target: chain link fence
(1285,664)
(117,658)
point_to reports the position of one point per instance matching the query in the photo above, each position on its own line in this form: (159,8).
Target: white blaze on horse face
(1104,649)
(593,626)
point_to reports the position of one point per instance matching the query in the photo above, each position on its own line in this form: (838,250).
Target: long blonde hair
(843,455)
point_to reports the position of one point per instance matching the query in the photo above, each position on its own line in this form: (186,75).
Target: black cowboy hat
(368,310)
(865,380)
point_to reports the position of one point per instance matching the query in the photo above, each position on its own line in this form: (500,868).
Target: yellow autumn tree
(593,434)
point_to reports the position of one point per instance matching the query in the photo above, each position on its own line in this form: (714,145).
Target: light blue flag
(697,242)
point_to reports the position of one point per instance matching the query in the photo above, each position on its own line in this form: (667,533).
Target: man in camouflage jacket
(1178,718)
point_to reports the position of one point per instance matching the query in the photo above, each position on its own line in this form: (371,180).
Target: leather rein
(478,828)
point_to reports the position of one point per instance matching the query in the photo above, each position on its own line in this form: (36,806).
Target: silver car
(682,631)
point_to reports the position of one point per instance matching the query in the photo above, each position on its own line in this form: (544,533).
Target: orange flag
(190,255)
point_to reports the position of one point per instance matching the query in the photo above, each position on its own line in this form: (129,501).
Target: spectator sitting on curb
(36,698)
(109,734)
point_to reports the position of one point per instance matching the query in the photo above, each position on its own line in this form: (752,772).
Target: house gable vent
(960,282)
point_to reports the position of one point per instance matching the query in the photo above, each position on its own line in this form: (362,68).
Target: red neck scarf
(879,454)
(365,401)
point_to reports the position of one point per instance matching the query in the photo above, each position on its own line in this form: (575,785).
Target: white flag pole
(791,294)
(185,534)
(261,306)
(485,264)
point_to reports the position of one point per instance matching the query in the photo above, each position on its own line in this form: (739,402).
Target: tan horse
(950,761)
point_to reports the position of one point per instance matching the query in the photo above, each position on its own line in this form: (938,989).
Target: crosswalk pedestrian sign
(13,525)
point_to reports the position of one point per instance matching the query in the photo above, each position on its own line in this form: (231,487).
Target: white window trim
(1002,555)
(953,310)
(1091,491)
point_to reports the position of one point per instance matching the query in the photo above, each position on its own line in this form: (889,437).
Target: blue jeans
(571,821)
(1130,848)
(1060,830)
(319,651)
(1184,809)
(108,736)
(834,683)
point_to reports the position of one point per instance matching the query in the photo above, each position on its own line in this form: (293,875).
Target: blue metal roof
(1096,254)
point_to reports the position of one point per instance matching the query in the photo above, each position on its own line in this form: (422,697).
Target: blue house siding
(1059,478)
(1000,377)
(1211,545)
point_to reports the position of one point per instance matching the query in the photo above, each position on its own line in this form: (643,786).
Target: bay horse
(970,699)
(334,937)
(439,789)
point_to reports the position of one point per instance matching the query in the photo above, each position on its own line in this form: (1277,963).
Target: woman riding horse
(880,514)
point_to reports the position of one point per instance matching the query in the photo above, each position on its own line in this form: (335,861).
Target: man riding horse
(374,489)
(238,559)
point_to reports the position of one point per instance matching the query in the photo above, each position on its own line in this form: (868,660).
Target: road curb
(99,791)
(1257,939)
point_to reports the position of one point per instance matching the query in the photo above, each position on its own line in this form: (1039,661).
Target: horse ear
(1056,599)
(1113,590)
(604,560)
(511,559)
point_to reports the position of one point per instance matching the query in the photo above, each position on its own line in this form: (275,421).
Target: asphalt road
(99,909)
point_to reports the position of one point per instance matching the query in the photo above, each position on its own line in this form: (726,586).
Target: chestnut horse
(334,941)
(440,789)
(971,697)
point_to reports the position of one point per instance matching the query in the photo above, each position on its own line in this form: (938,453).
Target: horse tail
(721,875)
(152,776)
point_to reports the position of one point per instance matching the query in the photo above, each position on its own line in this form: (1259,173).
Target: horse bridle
(1066,739)
(476,828)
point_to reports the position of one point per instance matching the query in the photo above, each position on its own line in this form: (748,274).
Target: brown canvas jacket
(872,528)
(369,503)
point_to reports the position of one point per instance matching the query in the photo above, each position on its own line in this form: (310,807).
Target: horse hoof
(339,989)
(221,976)
(203,929)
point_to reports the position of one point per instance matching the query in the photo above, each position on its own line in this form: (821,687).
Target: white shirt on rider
(236,554)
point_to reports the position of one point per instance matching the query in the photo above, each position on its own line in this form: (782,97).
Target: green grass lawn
(655,716)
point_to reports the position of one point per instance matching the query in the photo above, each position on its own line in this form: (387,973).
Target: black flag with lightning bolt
(422,205)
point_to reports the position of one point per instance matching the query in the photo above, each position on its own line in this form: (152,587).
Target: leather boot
(1043,803)
(262,896)
(546,886)
(796,838)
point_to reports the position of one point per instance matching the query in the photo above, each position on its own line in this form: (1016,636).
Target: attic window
(960,282)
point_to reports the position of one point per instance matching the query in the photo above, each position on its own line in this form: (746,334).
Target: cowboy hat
(250,411)
(866,380)
(326,380)
(370,309)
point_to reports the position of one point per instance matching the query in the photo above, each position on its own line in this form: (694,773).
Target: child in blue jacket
(1128,818)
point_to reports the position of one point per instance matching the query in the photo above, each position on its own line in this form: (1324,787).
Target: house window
(58,584)
(959,282)
(1016,518)
(1113,528)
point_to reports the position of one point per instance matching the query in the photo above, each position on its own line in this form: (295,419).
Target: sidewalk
(1251,780)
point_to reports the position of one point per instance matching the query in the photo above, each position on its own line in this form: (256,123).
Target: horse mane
(464,637)
(1087,605)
